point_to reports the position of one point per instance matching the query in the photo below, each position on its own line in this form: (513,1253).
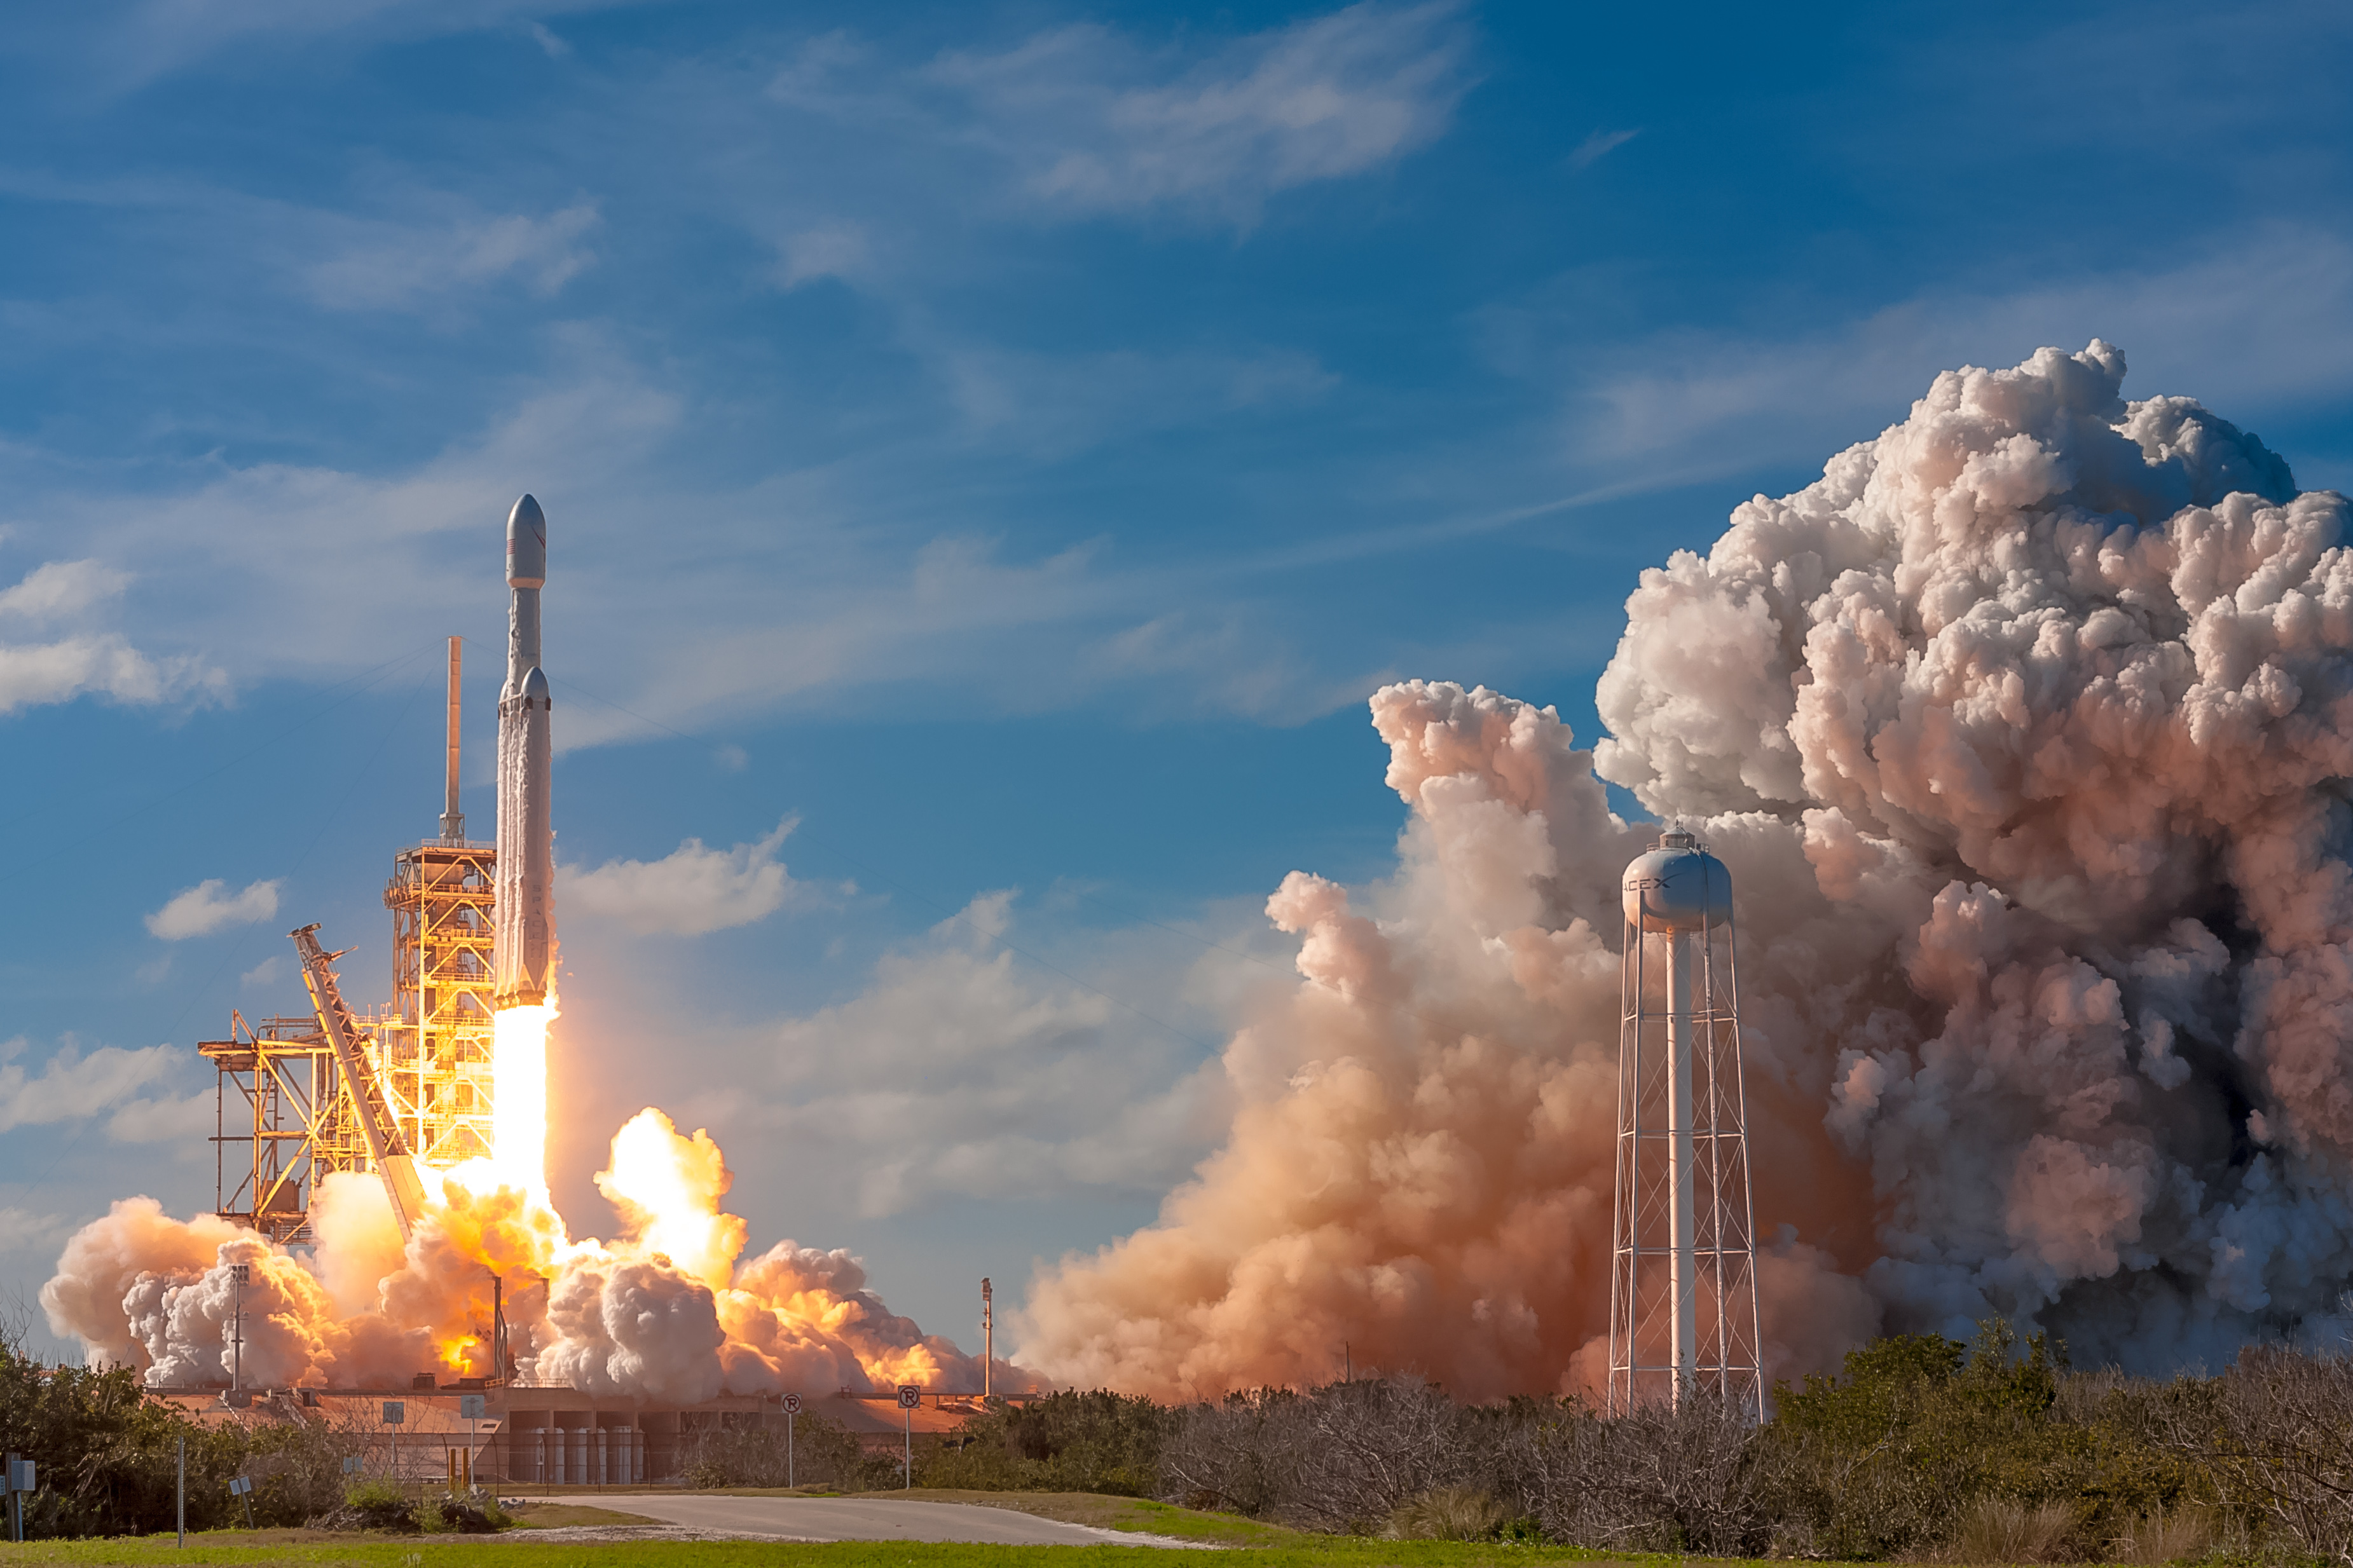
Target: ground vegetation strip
(1919,1447)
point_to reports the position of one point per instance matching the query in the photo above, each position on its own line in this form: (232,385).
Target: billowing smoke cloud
(2026,731)
(664,1313)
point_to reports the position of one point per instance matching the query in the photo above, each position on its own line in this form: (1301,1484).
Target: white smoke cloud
(208,907)
(665,1312)
(689,891)
(2023,732)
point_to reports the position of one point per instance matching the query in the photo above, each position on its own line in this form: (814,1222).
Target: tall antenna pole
(988,1337)
(1682,1265)
(453,821)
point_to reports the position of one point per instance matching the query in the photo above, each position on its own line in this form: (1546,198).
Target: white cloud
(22,1230)
(88,663)
(1599,145)
(208,906)
(103,665)
(2263,321)
(384,265)
(61,588)
(261,975)
(164,1121)
(954,1072)
(72,1087)
(829,250)
(1097,122)
(691,890)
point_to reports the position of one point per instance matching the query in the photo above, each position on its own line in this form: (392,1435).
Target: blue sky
(1006,443)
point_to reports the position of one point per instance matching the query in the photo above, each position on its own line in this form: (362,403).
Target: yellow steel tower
(427,1053)
(433,1043)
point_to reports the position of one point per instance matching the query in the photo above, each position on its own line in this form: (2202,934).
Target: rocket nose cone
(526,544)
(534,685)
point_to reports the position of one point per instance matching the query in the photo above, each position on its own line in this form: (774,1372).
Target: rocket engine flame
(519,1111)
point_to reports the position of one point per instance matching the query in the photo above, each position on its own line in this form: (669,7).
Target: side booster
(524,946)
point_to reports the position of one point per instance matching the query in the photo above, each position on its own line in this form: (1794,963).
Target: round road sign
(911,1394)
(792,1405)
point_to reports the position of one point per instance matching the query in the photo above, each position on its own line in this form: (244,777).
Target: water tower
(1682,1265)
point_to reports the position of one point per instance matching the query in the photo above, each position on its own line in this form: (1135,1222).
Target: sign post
(910,1396)
(395,1413)
(471,1408)
(242,1490)
(792,1409)
(183,1488)
(19,1481)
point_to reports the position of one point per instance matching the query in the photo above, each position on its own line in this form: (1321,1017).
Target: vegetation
(824,1454)
(1919,1449)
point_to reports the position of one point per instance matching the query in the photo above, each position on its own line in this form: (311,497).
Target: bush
(1098,1442)
(1449,1513)
(379,1503)
(823,1454)
(1241,1456)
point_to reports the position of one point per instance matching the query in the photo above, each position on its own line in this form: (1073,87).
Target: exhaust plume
(2025,731)
(664,1313)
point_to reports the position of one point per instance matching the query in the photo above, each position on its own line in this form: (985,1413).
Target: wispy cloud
(1599,145)
(1090,119)
(2260,324)
(73,1086)
(209,907)
(388,265)
(691,891)
(61,588)
(954,1072)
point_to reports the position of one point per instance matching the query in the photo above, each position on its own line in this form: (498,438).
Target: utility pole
(988,1337)
(183,1488)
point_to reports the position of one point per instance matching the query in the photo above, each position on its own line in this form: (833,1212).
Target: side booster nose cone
(524,944)
(526,545)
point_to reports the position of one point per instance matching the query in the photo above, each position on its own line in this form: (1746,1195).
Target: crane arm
(386,1149)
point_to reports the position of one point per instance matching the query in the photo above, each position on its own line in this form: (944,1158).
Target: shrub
(823,1454)
(1449,1513)
(1242,1455)
(1096,1442)
(1999,1530)
(379,1503)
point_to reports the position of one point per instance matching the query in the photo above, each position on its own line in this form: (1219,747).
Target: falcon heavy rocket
(523,949)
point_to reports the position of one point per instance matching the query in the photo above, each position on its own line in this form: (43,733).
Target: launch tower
(1682,1268)
(284,1095)
(433,1043)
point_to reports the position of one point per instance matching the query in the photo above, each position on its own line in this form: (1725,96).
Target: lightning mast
(1682,1268)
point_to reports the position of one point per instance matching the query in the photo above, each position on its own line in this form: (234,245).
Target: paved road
(861,1518)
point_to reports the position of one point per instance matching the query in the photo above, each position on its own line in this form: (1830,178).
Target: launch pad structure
(280,1090)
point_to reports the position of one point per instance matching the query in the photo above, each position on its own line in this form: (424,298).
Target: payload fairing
(524,946)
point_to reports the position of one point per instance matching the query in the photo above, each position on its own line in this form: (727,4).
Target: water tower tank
(1677,887)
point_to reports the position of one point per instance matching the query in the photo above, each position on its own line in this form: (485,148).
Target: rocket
(523,948)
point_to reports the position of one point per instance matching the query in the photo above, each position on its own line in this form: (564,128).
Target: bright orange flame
(519,1108)
(668,1186)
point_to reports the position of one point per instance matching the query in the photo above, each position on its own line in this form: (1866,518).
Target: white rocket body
(525,948)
